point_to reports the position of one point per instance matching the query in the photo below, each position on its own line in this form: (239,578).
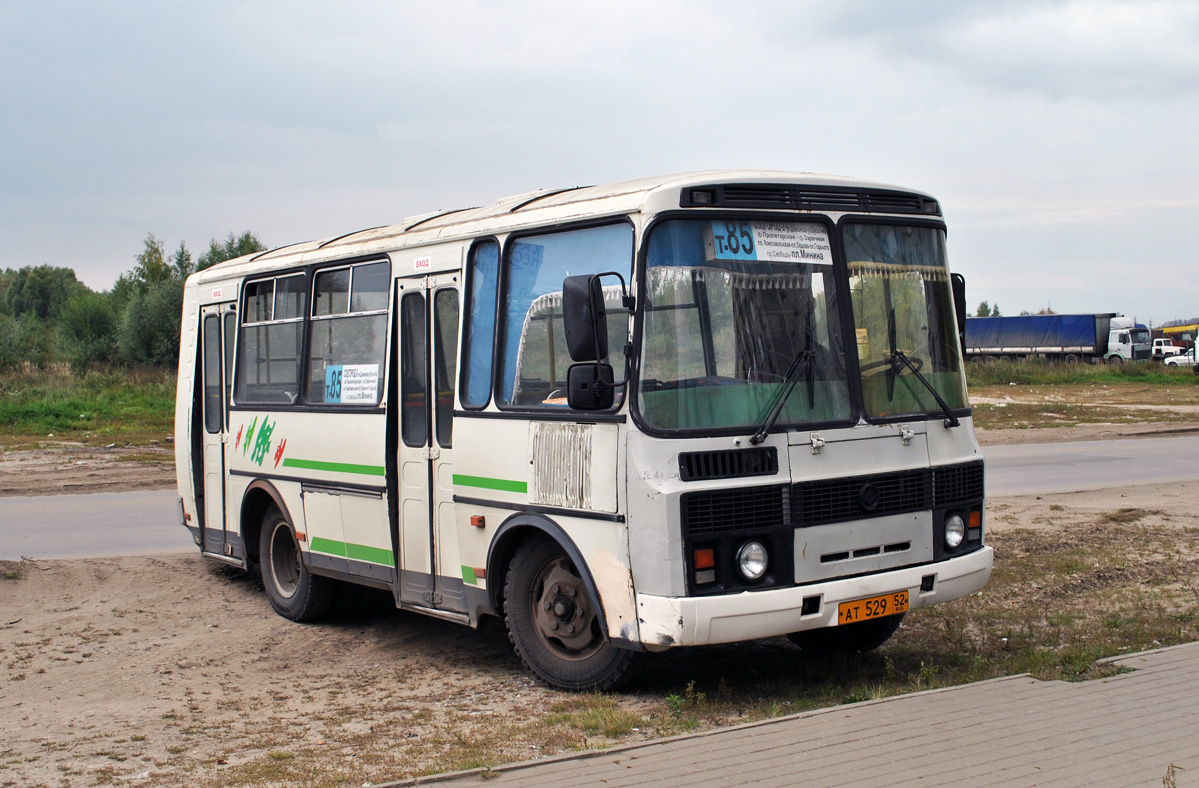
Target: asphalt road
(141,523)
(81,526)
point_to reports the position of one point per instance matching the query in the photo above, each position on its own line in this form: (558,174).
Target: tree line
(47,315)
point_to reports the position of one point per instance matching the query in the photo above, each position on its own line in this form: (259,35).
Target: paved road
(1039,469)
(133,523)
(1013,732)
(87,526)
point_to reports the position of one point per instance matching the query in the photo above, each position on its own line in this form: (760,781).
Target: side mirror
(959,307)
(590,386)
(584,318)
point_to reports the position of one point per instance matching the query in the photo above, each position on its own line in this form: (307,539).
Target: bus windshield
(904,319)
(742,319)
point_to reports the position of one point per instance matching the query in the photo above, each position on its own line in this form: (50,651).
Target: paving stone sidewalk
(1135,729)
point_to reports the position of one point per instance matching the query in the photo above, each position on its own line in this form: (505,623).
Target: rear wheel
(856,638)
(553,621)
(294,592)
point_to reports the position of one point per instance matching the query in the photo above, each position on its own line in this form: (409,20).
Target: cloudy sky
(1060,137)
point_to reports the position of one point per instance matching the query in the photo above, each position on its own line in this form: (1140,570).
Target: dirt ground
(172,670)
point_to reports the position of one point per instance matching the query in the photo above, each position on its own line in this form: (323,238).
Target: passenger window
(269,350)
(349,334)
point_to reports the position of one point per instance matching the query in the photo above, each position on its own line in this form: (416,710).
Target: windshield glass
(903,306)
(730,307)
(1140,336)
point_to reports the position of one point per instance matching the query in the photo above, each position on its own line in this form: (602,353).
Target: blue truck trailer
(1092,338)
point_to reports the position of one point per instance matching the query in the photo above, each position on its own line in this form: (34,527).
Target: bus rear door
(217,324)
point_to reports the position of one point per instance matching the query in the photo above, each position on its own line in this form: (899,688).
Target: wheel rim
(284,561)
(563,615)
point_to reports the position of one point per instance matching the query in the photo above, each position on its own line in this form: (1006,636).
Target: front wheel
(1115,360)
(295,593)
(553,622)
(856,638)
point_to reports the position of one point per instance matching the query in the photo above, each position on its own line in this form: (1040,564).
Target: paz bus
(695,409)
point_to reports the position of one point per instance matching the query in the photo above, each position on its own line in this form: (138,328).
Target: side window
(270,347)
(534,361)
(349,334)
(479,330)
(445,348)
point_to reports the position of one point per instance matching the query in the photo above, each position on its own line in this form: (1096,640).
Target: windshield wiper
(803,360)
(898,355)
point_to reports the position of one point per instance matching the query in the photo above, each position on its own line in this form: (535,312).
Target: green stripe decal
(491,484)
(469,576)
(335,467)
(356,552)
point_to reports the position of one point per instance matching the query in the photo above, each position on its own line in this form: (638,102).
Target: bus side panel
(339,457)
(497,483)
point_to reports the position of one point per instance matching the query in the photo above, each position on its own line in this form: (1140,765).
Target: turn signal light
(705,559)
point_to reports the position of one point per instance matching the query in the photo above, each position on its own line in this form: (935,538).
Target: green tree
(39,291)
(181,262)
(984,310)
(233,246)
(151,264)
(87,330)
(995,310)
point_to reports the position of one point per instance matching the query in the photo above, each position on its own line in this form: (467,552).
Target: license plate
(873,607)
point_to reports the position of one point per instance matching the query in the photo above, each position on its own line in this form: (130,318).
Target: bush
(149,331)
(23,340)
(87,330)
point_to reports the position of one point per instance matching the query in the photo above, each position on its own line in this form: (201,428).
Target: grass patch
(596,715)
(13,570)
(99,407)
(1041,372)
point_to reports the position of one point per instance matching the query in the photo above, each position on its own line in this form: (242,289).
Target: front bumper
(696,621)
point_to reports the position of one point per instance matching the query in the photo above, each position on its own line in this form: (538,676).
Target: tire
(1115,360)
(1071,358)
(856,638)
(553,623)
(294,592)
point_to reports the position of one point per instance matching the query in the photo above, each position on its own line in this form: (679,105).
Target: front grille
(831,500)
(727,511)
(955,484)
(859,497)
(728,464)
(809,198)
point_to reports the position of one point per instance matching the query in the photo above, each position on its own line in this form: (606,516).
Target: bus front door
(431,572)
(217,323)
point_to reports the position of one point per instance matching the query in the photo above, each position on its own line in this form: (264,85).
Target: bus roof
(551,206)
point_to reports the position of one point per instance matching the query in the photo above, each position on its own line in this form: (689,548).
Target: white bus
(683,410)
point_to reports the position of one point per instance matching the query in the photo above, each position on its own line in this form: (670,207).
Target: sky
(1060,137)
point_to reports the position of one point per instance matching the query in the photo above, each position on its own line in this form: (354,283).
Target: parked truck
(1164,347)
(1094,338)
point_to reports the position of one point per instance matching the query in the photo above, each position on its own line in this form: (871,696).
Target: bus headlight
(752,560)
(955,530)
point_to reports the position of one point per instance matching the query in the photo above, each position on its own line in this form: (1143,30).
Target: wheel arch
(515,531)
(259,496)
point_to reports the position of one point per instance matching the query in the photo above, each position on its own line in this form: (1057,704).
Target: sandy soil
(76,468)
(173,670)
